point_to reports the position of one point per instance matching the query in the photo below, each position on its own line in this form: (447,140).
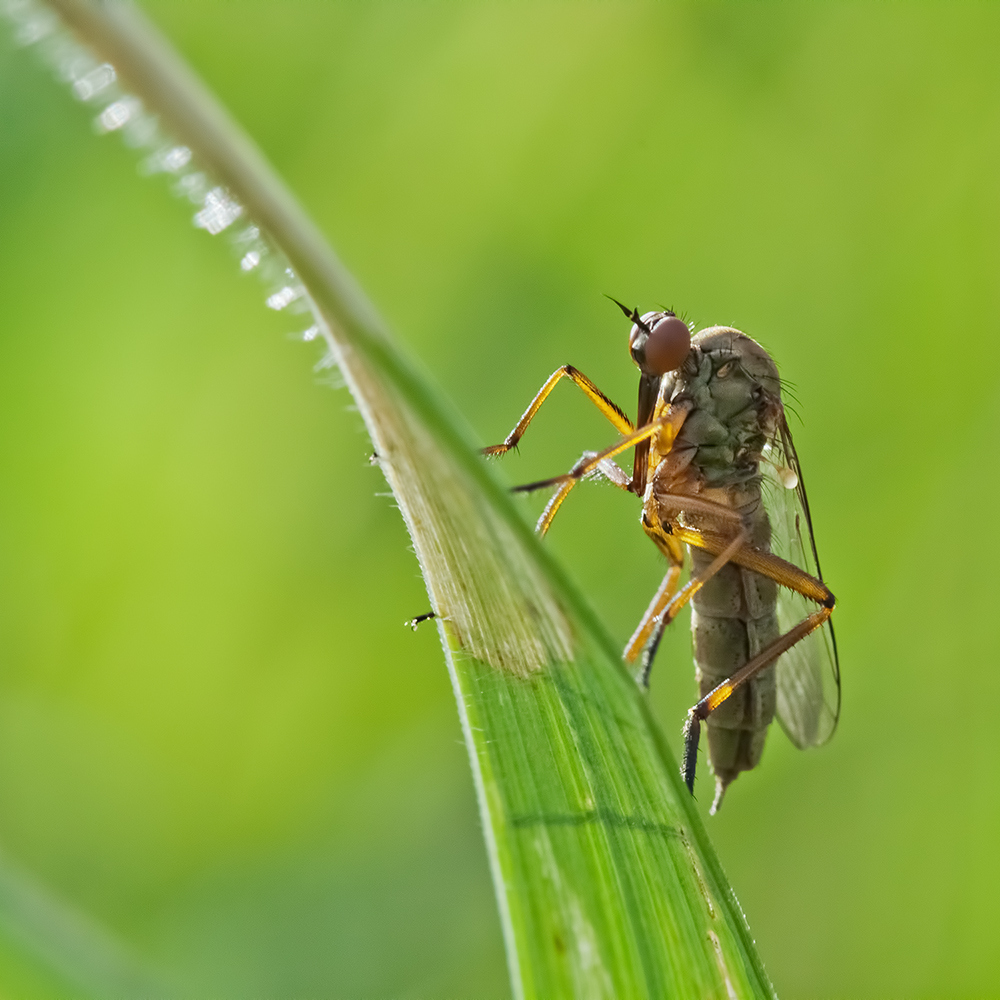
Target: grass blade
(606,882)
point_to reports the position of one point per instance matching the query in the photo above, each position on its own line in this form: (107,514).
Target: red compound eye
(667,346)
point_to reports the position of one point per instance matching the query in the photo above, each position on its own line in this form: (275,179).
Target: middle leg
(681,598)
(592,461)
(664,534)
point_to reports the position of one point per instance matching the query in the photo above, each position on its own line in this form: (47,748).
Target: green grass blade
(606,881)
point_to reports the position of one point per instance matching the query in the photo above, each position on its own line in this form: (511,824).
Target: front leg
(611,411)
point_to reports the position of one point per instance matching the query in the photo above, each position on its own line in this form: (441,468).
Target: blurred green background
(217,739)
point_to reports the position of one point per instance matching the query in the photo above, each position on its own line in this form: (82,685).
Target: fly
(720,479)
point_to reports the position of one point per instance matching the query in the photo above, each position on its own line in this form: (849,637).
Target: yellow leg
(664,428)
(660,600)
(773,567)
(584,467)
(612,411)
(674,551)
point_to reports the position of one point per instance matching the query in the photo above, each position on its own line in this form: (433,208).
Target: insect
(719,478)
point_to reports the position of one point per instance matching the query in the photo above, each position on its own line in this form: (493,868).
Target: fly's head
(659,342)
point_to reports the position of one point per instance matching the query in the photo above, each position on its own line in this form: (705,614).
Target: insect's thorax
(732,388)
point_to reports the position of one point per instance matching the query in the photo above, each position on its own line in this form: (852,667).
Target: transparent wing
(808,674)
